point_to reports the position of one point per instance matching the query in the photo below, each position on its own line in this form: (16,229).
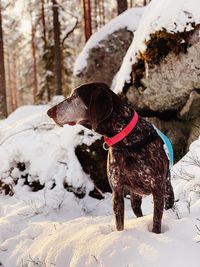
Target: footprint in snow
(105,230)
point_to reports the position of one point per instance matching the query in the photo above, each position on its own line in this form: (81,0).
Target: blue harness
(168,146)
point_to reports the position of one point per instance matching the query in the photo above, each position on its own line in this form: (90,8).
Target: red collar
(121,135)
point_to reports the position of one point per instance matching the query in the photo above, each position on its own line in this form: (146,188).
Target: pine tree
(98,14)
(3,103)
(45,58)
(87,19)
(57,49)
(33,47)
(122,5)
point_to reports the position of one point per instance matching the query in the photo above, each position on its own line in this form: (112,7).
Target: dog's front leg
(158,198)
(118,207)
(116,183)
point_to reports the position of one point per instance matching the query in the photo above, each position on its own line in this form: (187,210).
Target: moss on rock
(158,47)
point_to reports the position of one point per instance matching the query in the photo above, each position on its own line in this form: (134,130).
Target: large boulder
(167,82)
(102,55)
(160,73)
(104,60)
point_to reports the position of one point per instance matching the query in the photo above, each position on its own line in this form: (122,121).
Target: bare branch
(73,16)
(69,32)
(27,129)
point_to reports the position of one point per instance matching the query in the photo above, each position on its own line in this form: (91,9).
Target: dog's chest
(141,171)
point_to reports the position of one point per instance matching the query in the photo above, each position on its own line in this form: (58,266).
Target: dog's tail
(169,193)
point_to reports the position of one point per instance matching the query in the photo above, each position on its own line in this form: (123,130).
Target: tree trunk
(3,103)
(45,47)
(14,81)
(122,5)
(9,84)
(43,22)
(11,70)
(33,46)
(87,19)
(131,3)
(57,49)
(94,15)
(145,2)
(102,13)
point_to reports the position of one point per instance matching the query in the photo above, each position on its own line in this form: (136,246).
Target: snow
(83,234)
(29,136)
(173,16)
(186,175)
(52,227)
(128,19)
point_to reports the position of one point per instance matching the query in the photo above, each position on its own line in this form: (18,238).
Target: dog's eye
(73,94)
(72,97)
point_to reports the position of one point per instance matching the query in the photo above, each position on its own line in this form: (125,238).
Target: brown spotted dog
(138,161)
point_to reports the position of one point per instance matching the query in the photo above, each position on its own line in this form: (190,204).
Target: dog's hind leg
(159,199)
(169,195)
(118,207)
(136,202)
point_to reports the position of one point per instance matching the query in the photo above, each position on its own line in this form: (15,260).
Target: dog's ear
(100,107)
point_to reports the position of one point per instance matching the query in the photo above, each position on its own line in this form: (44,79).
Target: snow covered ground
(52,227)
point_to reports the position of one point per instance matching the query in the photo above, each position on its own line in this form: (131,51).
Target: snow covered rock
(37,154)
(166,30)
(159,73)
(103,53)
(163,59)
(161,68)
(166,84)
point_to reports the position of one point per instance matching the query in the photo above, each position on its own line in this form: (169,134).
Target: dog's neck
(122,114)
(119,119)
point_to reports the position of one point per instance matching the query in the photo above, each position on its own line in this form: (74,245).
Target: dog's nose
(51,112)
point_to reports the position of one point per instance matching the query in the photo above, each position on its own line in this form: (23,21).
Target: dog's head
(90,104)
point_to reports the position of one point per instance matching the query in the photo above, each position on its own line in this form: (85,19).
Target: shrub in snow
(34,152)
(186,176)
(198,232)
(18,173)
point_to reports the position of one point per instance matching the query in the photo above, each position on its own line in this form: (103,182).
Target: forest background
(39,42)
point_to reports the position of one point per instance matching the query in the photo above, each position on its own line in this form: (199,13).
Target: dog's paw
(164,228)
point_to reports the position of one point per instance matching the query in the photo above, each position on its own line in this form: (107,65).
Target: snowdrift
(35,152)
